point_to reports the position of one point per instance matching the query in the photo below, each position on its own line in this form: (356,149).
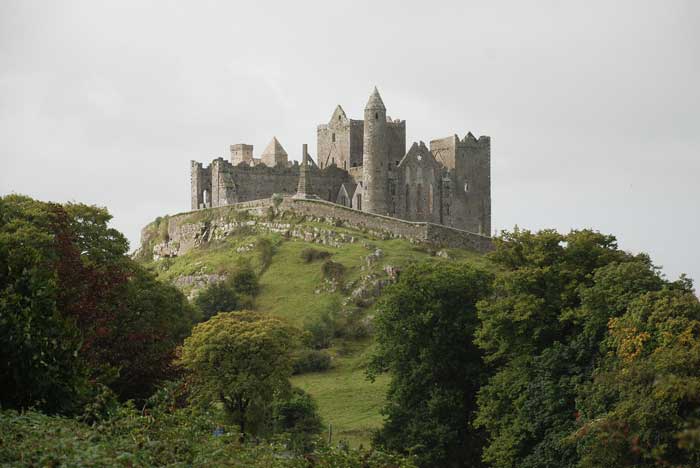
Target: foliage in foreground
(595,356)
(75,310)
(159,436)
(425,326)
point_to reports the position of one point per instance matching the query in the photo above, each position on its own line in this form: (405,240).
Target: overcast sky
(593,107)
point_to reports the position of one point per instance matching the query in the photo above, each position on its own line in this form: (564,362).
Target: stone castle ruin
(364,165)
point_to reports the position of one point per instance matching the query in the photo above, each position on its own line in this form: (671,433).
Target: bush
(310,254)
(311,360)
(265,250)
(333,271)
(352,323)
(298,417)
(320,332)
(235,293)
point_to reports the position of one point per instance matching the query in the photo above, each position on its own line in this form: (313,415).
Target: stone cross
(304,189)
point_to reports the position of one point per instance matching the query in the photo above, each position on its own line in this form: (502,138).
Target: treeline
(566,352)
(571,353)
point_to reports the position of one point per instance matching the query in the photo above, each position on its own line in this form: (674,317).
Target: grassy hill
(299,292)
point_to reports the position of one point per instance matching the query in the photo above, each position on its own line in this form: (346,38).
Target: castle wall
(230,184)
(185,232)
(466,189)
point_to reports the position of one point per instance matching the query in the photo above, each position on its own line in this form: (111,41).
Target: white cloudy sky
(593,106)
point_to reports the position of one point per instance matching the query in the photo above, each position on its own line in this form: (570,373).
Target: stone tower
(374,157)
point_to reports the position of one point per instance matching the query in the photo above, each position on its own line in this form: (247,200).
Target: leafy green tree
(152,321)
(40,346)
(242,360)
(424,328)
(541,331)
(297,415)
(643,406)
(75,310)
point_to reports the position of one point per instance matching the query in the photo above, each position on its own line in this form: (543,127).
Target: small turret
(374,158)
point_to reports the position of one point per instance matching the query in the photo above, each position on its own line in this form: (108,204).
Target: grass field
(347,400)
(296,291)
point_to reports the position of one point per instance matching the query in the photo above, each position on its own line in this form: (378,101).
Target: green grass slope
(297,291)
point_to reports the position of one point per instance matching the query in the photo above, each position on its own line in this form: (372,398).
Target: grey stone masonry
(363,164)
(185,233)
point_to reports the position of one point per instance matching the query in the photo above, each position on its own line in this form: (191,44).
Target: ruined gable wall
(419,187)
(333,144)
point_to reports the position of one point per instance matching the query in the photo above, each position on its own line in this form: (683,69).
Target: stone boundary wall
(433,234)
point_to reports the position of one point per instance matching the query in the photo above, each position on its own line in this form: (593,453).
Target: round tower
(374,157)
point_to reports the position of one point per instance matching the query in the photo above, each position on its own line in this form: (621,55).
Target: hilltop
(192,250)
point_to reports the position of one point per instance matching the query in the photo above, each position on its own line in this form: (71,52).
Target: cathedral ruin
(364,165)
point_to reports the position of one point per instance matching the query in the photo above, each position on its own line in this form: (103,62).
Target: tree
(297,416)
(76,311)
(242,360)
(541,331)
(642,408)
(40,345)
(424,329)
(152,320)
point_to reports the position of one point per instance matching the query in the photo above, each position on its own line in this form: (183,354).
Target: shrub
(235,293)
(333,271)
(298,417)
(352,323)
(311,360)
(265,250)
(320,331)
(310,254)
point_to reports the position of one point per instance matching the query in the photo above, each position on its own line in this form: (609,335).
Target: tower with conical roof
(374,157)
